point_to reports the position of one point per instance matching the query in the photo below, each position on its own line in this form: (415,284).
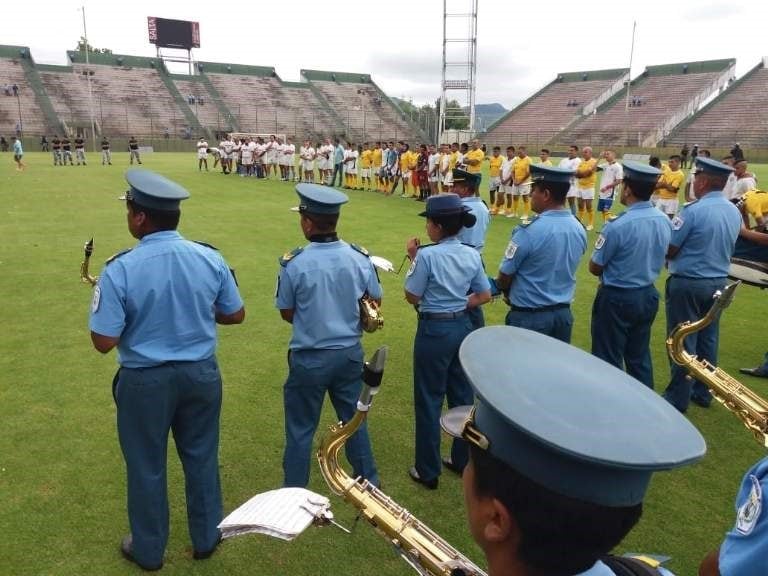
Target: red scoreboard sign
(173,33)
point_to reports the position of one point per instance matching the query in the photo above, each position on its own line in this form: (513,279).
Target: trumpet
(85,276)
(750,408)
(422,548)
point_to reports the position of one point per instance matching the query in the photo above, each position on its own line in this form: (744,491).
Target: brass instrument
(418,545)
(370,314)
(85,277)
(750,408)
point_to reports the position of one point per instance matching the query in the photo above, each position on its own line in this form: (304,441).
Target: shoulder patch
(691,203)
(412,267)
(509,253)
(288,256)
(526,223)
(599,242)
(116,256)
(211,246)
(749,512)
(677,222)
(358,248)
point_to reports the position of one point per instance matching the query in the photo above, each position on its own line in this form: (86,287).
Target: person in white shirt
(307,156)
(445,162)
(504,193)
(571,162)
(225,148)
(745,181)
(270,156)
(289,159)
(327,151)
(611,178)
(433,170)
(246,156)
(202,154)
(259,157)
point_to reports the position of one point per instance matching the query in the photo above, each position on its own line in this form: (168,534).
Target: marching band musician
(318,292)
(628,257)
(445,280)
(538,270)
(553,484)
(703,239)
(159,304)
(466,185)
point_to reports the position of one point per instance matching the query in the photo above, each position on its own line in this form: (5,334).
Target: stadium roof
(699,67)
(330,76)
(591,75)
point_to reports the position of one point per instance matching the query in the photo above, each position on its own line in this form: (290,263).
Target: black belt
(441,315)
(541,309)
(624,289)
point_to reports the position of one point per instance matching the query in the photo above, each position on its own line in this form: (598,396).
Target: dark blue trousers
(476,317)
(621,329)
(311,374)
(338,169)
(688,299)
(438,376)
(183,397)
(557,323)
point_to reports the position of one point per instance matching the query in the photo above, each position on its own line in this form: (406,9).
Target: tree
(455,116)
(82,45)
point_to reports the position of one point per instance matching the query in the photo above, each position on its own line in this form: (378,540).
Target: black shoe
(126,547)
(757,372)
(197,555)
(448,463)
(430,484)
(700,401)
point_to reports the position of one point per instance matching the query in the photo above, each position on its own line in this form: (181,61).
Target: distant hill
(487,114)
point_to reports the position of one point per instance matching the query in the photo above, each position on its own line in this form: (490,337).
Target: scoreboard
(167,33)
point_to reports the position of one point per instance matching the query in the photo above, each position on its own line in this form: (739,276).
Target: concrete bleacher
(556,106)
(261,102)
(666,95)
(364,110)
(738,114)
(32,118)
(203,105)
(68,93)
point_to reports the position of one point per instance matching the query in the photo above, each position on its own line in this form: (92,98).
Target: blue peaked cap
(318,199)
(541,173)
(640,172)
(712,166)
(151,190)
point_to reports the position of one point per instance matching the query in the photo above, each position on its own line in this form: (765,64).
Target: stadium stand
(20,107)
(738,114)
(195,94)
(659,100)
(556,106)
(365,111)
(261,102)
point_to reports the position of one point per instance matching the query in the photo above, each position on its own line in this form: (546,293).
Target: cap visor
(454,420)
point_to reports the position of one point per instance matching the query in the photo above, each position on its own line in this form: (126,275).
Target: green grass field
(62,484)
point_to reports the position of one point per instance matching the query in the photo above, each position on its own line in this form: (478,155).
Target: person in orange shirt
(586,178)
(521,183)
(668,186)
(473,159)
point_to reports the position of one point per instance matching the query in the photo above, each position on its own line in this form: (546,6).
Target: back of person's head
(559,535)
(452,224)
(640,190)
(557,190)
(655,162)
(160,220)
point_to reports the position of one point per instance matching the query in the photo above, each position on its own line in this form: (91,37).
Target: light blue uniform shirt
(706,232)
(323,285)
(632,248)
(443,274)
(543,257)
(338,154)
(744,552)
(17,149)
(161,298)
(475,236)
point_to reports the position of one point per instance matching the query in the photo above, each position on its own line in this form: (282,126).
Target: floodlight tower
(459,62)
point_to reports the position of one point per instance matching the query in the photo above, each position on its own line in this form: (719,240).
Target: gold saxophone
(85,277)
(370,314)
(750,408)
(423,549)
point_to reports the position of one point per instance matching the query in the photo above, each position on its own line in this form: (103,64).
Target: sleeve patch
(749,512)
(96,299)
(412,267)
(599,242)
(677,222)
(509,253)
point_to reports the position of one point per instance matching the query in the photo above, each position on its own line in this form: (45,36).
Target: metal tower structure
(459,63)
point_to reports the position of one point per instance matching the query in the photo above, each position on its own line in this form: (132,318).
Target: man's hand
(412,247)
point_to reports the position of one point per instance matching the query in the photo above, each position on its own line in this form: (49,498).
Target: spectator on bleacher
(133,149)
(571,162)
(166,133)
(3,144)
(43,143)
(15,89)
(737,153)
(745,181)
(80,150)
(684,156)
(106,152)
(7,90)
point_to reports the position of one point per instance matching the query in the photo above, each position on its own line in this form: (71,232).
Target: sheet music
(283,513)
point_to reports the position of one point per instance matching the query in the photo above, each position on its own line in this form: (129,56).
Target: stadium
(62,474)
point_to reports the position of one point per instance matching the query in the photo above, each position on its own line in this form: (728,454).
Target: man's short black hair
(510,148)
(676,157)
(640,190)
(559,190)
(496,148)
(558,534)
(160,219)
(324,223)
(545,150)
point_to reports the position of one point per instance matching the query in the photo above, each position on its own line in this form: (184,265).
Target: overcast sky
(399,42)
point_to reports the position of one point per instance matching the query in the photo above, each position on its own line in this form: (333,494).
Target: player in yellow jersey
(474,158)
(586,178)
(405,173)
(376,162)
(453,160)
(668,186)
(494,172)
(366,161)
(521,184)
(544,158)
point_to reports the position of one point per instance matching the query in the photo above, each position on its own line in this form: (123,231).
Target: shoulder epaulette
(288,256)
(211,246)
(116,256)
(527,223)
(483,201)
(469,245)
(691,203)
(358,248)
(616,217)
